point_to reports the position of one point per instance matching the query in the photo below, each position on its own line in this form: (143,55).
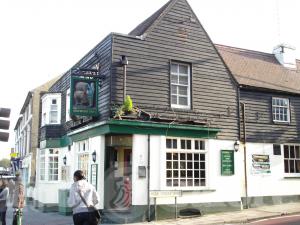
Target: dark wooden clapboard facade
(261,77)
(173,33)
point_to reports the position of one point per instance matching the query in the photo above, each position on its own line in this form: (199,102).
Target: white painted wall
(219,189)
(94,144)
(275,183)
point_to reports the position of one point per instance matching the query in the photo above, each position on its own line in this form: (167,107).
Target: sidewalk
(237,217)
(35,217)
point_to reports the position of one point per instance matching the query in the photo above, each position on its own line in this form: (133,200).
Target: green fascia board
(175,130)
(53,143)
(65,141)
(139,127)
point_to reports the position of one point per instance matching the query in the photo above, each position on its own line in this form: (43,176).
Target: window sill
(291,176)
(281,122)
(186,190)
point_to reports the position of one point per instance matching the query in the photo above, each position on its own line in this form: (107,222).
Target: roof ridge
(221,46)
(151,20)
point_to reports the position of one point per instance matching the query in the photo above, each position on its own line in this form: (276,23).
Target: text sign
(165,194)
(84,96)
(227,162)
(94,175)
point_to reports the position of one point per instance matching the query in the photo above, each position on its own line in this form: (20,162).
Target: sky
(41,39)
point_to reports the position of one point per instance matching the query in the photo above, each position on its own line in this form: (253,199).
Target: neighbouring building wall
(260,127)
(275,183)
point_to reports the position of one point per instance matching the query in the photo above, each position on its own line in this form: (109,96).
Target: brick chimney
(286,55)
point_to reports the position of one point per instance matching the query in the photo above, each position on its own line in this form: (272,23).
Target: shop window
(180,85)
(49,165)
(186,162)
(42,165)
(291,159)
(53,165)
(83,156)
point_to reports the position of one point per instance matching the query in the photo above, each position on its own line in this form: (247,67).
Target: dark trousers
(84,218)
(3,216)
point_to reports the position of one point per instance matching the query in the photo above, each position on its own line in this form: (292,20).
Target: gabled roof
(145,25)
(260,70)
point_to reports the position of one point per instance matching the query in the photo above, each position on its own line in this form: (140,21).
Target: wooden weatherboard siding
(214,94)
(103,51)
(259,120)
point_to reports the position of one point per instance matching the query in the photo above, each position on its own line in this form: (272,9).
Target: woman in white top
(3,200)
(88,193)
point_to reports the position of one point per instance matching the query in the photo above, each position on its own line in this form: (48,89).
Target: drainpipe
(245,153)
(148,180)
(124,63)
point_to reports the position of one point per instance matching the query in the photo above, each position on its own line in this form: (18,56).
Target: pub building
(152,118)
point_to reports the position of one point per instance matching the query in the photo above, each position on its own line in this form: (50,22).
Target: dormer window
(281,110)
(51,109)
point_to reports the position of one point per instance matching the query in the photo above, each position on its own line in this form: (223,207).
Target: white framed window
(83,157)
(42,165)
(186,163)
(49,165)
(180,85)
(281,109)
(68,117)
(291,159)
(51,109)
(53,165)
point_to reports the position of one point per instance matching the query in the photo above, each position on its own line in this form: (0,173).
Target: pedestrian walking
(3,200)
(18,200)
(83,198)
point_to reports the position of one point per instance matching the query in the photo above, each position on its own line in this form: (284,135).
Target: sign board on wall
(84,96)
(65,173)
(165,193)
(261,164)
(94,175)
(227,162)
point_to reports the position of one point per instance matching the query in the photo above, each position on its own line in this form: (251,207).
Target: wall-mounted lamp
(65,160)
(236,145)
(94,156)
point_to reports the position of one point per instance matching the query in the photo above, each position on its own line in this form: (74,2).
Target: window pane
(189,156)
(169,165)
(182,173)
(174,68)
(292,152)
(190,165)
(174,100)
(169,183)
(188,144)
(175,182)
(183,101)
(175,165)
(286,151)
(197,182)
(196,145)
(182,165)
(183,69)
(197,174)
(174,143)
(174,79)
(292,166)
(175,173)
(182,156)
(190,183)
(53,116)
(182,90)
(182,144)
(196,165)
(183,182)
(168,143)
(174,89)
(202,174)
(169,173)
(202,182)
(286,166)
(183,80)
(175,156)
(297,150)
(169,156)
(297,166)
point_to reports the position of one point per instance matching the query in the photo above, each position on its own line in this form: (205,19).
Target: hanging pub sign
(84,96)
(227,162)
